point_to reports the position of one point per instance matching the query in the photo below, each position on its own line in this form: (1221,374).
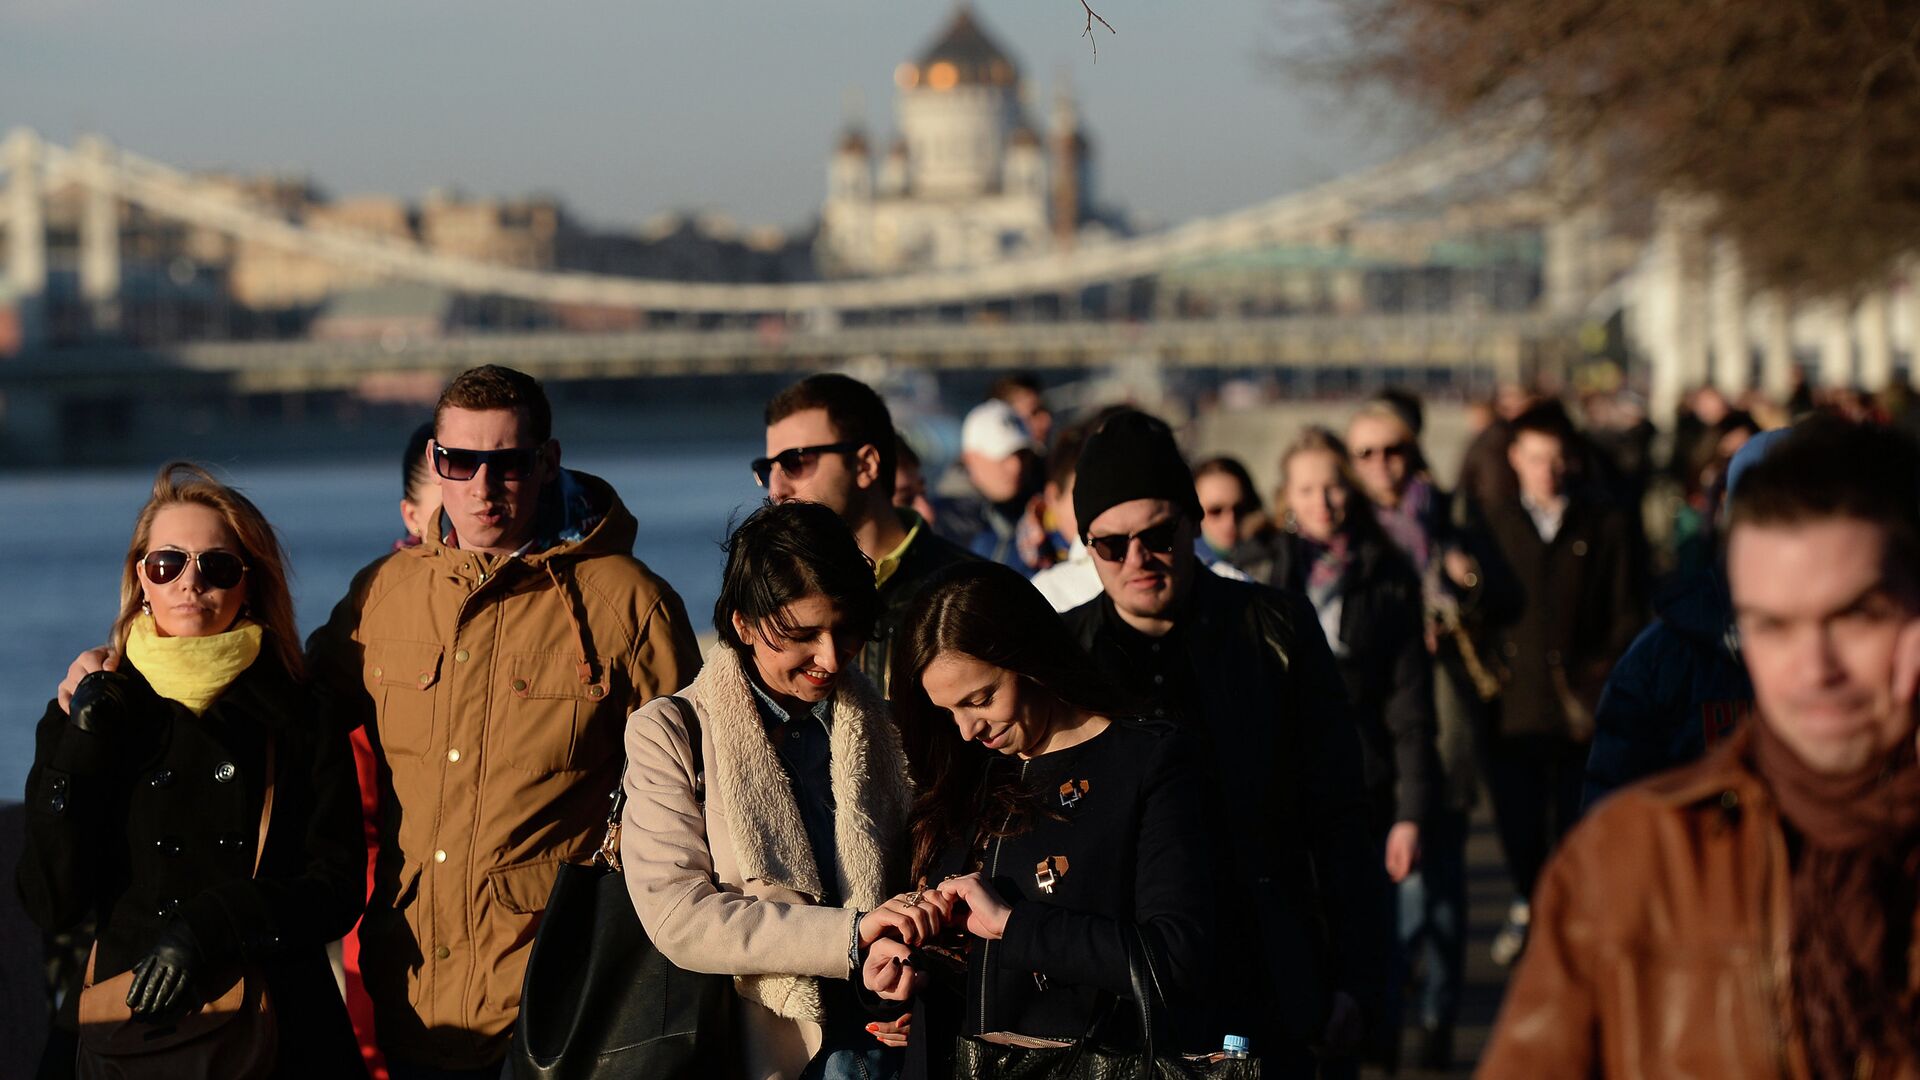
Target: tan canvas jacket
(500,746)
(734,890)
(1659,946)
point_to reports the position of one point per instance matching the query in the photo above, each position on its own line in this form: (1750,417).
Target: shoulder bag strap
(609,854)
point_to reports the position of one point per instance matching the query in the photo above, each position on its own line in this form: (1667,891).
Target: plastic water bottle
(1235,1048)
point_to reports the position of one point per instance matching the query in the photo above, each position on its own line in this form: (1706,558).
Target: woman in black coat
(1051,827)
(1368,599)
(145,797)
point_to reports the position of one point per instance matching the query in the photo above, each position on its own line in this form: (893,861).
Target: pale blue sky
(628,109)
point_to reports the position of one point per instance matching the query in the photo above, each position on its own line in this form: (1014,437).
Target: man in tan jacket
(494,664)
(1755,914)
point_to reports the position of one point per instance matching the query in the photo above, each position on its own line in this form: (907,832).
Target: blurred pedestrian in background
(999,456)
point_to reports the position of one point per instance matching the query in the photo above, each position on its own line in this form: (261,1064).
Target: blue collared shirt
(805,748)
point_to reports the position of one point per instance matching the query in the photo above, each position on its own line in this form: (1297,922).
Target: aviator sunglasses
(513,463)
(799,461)
(1157,539)
(219,569)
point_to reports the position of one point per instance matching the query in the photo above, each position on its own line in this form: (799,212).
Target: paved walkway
(1488,893)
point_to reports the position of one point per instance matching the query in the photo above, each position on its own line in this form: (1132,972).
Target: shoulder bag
(232,1034)
(982,1057)
(598,999)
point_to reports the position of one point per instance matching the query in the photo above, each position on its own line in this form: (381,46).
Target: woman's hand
(914,918)
(892,1033)
(889,973)
(986,912)
(101,659)
(1403,849)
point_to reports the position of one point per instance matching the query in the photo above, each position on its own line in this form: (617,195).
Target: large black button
(231,841)
(168,845)
(225,772)
(167,908)
(160,779)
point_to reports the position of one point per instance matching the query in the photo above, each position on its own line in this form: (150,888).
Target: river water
(62,536)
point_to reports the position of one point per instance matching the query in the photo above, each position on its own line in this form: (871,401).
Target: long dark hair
(992,614)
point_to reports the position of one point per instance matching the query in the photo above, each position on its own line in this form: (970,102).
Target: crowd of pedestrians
(961,774)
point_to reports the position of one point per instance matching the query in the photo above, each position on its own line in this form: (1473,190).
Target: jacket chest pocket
(547,720)
(401,677)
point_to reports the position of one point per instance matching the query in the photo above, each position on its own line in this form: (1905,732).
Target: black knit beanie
(1132,456)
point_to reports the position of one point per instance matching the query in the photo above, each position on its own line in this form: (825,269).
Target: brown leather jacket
(1660,941)
(498,754)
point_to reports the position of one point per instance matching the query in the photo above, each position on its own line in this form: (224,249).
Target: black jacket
(1578,608)
(1681,688)
(1128,840)
(1247,670)
(138,827)
(929,554)
(1385,665)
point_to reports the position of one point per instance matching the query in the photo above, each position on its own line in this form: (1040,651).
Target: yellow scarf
(191,670)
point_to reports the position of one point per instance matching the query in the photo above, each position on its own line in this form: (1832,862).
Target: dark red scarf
(1852,902)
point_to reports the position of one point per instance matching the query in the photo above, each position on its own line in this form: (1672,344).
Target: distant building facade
(967,180)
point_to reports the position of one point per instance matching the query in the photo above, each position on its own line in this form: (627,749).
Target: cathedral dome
(963,55)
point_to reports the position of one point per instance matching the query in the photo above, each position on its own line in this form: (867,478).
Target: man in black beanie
(1244,667)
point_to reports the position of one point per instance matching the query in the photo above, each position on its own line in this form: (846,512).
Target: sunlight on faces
(1819,624)
(989,704)
(1220,499)
(833,480)
(489,515)
(1147,584)
(1385,475)
(187,606)
(1539,462)
(997,479)
(1316,494)
(805,665)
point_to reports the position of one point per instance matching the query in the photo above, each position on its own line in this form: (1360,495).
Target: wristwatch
(853,944)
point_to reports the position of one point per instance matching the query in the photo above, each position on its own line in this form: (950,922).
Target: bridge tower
(26,224)
(99,234)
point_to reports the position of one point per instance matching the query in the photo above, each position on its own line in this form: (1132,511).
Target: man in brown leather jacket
(1755,914)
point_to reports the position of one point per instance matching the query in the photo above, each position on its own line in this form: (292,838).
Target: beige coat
(735,891)
(499,752)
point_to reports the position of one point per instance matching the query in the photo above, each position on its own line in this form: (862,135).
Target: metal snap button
(441,952)
(225,772)
(596,691)
(439,856)
(426,677)
(519,686)
(378,672)
(1579,547)
(460,656)
(453,755)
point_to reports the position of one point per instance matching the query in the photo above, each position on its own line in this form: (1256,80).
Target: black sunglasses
(513,463)
(1156,538)
(799,461)
(219,569)
(1366,453)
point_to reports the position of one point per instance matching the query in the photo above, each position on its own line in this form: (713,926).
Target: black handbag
(598,999)
(977,1058)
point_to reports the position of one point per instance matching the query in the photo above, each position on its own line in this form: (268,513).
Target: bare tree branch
(1092,15)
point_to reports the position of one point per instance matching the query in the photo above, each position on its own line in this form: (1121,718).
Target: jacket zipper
(993,871)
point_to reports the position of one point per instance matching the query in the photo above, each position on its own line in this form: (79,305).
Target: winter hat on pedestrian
(994,429)
(1132,456)
(1749,455)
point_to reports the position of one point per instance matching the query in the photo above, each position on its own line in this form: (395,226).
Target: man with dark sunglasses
(494,665)
(830,440)
(1244,668)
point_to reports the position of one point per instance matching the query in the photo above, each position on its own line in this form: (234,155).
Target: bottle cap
(1235,1044)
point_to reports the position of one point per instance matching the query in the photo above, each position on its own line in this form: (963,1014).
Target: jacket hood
(1700,610)
(583,514)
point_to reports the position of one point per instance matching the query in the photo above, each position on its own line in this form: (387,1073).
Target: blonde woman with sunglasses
(189,803)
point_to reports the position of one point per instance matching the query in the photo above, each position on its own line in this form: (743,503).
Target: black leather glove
(161,979)
(100,702)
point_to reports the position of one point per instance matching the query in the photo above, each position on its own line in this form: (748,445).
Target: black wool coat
(1386,669)
(1577,609)
(1300,886)
(158,820)
(1123,840)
